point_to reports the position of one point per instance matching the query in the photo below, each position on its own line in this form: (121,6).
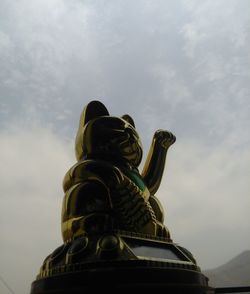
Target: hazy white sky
(181,65)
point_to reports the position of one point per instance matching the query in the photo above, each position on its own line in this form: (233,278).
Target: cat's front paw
(164,138)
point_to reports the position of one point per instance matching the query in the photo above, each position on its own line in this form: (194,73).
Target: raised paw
(165,138)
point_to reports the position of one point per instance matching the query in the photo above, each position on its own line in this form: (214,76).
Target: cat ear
(92,110)
(129,119)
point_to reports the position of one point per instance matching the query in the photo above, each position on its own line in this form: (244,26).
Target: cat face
(106,137)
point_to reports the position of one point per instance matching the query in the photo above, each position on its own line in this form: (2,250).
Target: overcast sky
(176,65)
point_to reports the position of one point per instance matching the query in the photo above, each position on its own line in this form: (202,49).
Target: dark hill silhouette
(236,272)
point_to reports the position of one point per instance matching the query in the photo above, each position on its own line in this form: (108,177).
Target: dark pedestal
(124,261)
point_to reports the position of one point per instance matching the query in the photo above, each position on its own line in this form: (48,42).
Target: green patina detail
(136,179)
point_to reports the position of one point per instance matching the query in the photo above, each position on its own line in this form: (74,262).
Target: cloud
(131,56)
(33,165)
(216,39)
(223,21)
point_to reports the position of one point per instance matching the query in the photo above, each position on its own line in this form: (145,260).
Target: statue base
(120,261)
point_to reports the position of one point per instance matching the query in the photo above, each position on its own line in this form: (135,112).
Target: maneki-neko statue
(112,222)
(104,190)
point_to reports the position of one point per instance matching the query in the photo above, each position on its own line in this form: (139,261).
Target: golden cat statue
(104,190)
